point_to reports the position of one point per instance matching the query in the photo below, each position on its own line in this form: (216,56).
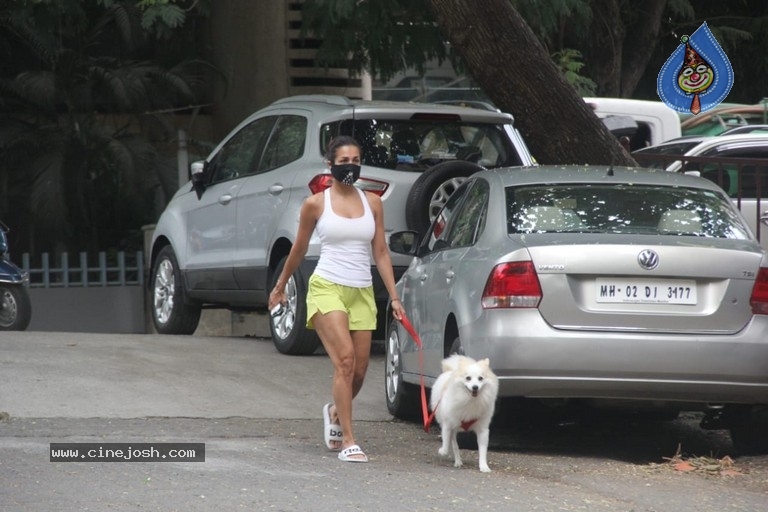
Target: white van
(656,122)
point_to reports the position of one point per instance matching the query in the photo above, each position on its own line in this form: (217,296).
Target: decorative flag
(697,76)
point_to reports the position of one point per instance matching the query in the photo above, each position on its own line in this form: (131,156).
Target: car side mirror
(404,242)
(197,175)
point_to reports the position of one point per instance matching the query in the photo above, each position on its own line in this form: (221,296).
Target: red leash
(424,407)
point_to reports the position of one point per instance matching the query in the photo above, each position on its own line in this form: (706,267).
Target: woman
(340,301)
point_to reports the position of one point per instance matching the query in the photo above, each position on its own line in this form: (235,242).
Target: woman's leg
(362,345)
(349,353)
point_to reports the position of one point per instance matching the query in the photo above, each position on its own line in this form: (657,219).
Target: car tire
(432,189)
(402,397)
(171,313)
(749,433)
(289,329)
(15,308)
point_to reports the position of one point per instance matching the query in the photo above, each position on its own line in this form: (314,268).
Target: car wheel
(171,313)
(432,189)
(402,397)
(15,308)
(289,332)
(749,433)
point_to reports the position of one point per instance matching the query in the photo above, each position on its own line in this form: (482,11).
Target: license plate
(646,291)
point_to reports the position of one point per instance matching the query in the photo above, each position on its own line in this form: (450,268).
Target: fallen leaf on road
(684,466)
(708,465)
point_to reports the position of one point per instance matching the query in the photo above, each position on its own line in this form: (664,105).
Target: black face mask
(345,173)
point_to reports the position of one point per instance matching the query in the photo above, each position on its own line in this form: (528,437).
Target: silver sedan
(617,285)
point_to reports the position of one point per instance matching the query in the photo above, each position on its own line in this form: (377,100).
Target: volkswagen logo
(648,259)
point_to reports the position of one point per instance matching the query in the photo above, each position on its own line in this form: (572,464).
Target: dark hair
(337,142)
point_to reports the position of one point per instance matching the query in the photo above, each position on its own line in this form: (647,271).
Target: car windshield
(417,145)
(621,209)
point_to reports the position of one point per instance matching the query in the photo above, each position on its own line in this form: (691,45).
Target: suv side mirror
(197,175)
(404,242)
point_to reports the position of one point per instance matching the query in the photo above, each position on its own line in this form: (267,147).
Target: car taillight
(322,181)
(512,285)
(759,298)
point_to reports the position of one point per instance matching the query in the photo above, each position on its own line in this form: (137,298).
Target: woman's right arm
(310,212)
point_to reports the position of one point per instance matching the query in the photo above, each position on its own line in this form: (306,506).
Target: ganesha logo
(697,76)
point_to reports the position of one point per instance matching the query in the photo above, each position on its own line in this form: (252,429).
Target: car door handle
(225,198)
(423,277)
(276,189)
(449,275)
(764,218)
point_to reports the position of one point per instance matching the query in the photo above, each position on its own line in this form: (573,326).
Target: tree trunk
(513,68)
(620,44)
(605,47)
(640,43)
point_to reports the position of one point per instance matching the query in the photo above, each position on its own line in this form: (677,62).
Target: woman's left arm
(381,255)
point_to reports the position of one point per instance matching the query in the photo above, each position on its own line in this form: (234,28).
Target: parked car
(738,163)
(676,146)
(747,128)
(595,284)
(15,305)
(655,121)
(723,117)
(223,239)
(682,145)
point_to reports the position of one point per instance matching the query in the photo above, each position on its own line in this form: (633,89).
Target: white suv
(223,239)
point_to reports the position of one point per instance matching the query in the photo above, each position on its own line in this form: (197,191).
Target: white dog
(464,397)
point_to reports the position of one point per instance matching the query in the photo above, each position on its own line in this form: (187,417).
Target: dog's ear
(485,362)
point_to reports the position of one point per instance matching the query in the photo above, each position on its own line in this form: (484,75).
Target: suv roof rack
(331,99)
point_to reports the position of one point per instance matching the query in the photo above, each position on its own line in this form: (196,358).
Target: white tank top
(345,245)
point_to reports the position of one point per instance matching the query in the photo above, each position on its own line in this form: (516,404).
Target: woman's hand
(397,309)
(276,297)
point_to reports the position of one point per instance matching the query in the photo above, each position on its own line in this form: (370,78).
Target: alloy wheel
(283,324)
(9,310)
(165,286)
(442,194)
(392,376)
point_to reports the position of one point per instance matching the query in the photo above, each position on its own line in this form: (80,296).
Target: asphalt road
(259,415)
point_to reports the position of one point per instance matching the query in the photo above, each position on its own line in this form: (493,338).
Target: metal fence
(744,179)
(114,269)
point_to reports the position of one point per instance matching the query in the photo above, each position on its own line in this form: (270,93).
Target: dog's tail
(452,363)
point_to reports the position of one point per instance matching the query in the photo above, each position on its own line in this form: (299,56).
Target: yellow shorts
(358,303)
